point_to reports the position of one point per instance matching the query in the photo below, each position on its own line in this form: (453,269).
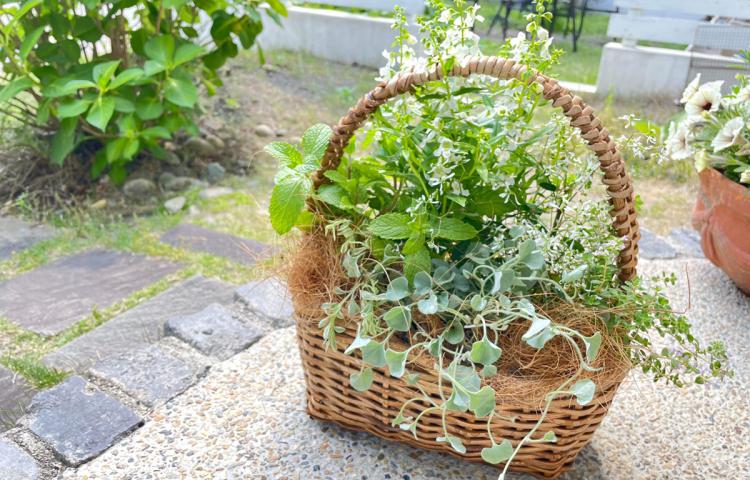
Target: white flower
(706,99)
(729,135)
(445,16)
(745,177)
(691,89)
(701,161)
(742,96)
(678,143)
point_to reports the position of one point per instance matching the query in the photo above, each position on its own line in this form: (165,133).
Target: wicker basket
(331,398)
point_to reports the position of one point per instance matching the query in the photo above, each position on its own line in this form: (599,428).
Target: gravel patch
(246,419)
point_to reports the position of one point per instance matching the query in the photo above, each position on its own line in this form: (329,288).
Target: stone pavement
(247,418)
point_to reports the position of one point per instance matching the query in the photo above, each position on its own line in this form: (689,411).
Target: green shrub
(121,75)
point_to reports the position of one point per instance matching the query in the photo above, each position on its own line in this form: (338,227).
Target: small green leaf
(161,49)
(358,342)
(125,77)
(72,108)
(416,262)
(422,283)
(14,87)
(148,108)
(455,443)
(187,52)
(455,333)
(103,72)
(485,352)
(397,289)
(374,354)
(482,403)
(498,453)
(584,391)
(64,141)
(286,154)
(550,437)
(574,275)
(398,318)
(391,226)
(361,381)
(101,112)
(315,141)
(396,362)
(29,42)
(458,401)
(537,325)
(181,92)
(334,195)
(288,201)
(592,346)
(429,305)
(453,229)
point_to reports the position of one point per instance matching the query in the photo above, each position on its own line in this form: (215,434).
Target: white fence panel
(655,29)
(412,7)
(714,8)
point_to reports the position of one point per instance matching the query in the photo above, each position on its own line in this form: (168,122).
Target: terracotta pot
(722,215)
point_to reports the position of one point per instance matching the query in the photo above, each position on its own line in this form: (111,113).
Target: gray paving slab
(213,331)
(16,464)
(53,297)
(79,421)
(250,408)
(15,395)
(687,242)
(148,373)
(203,240)
(17,234)
(143,324)
(269,298)
(652,246)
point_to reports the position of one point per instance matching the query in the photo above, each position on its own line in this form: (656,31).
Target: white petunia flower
(678,143)
(729,135)
(706,99)
(742,96)
(691,89)
(745,177)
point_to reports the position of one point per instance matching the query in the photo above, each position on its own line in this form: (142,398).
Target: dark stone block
(269,298)
(687,241)
(15,464)
(203,240)
(79,421)
(653,247)
(17,235)
(15,395)
(53,297)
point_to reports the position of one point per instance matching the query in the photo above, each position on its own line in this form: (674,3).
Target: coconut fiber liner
(525,375)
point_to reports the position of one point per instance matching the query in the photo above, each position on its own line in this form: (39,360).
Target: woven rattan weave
(331,398)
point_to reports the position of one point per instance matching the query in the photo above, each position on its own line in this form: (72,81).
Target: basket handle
(615,177)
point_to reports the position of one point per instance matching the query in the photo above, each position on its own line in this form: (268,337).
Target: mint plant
(118,77)
(458,215)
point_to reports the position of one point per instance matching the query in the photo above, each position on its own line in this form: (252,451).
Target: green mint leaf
(315,142)
(285,153)
(391,226)
(453,229)
(288,202)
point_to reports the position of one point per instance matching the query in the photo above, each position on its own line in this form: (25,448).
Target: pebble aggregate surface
(247,420)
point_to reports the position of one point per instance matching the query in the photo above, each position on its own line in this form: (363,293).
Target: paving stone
(652,246)
(199,239)
(687,241)
(53,297)
(17,235)
(213,331)
(15,395)
(150,374)
(141,325)
(15,464)
(79,421)
(269,298)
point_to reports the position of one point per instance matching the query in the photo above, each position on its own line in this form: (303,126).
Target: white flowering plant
(715,129)
(462,204)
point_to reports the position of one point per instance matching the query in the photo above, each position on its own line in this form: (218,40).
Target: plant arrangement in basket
(715,129)
(454,237)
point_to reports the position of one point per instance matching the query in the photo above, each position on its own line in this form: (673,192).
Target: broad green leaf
(361,381)
(72,108)
(455,443)
(358,342)
(485,352)
(285,153)
(488,371)
(187,52)
(315,141)
(458,401)
(584,391)
(417,262)
(161,49)
(64,141)
(101,112)
(422,283)
(482,403)
(453,229)
(121,149)
(125,77)
(398,318)
(592,346)
(29,41)
(498,453)
(152,67)
(397,289)
(65,87)
(181,92)
(148,108)
(104,71)
(374,354)
(467,377)
(288,201)
(429,305)
(540,339)
(391,226)
(124,105)
(334,195)
(396,362)
(537,325)
(455,333)
(156,132)
(14,87)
